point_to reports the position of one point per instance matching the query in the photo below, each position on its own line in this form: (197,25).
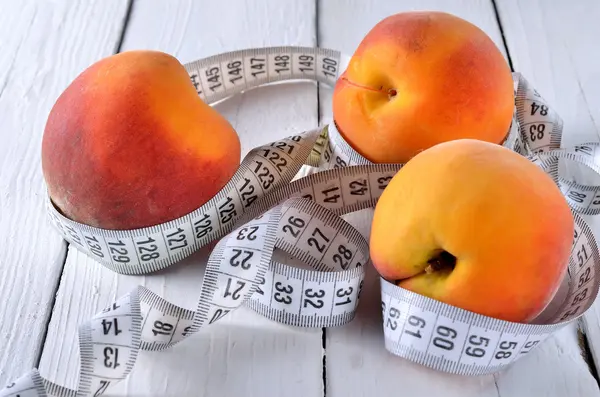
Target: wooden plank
(44,46)
(553,44)
(556,368)
(248,355)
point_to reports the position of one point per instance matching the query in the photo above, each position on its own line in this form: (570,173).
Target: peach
(475,225)
(418,79)
(130,144)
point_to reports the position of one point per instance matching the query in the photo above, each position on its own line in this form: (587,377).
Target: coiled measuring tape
(263,208)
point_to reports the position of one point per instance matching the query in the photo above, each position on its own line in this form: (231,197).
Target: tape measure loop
(263,208)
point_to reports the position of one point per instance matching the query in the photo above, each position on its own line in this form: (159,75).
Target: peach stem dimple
(443,261)
(390,93)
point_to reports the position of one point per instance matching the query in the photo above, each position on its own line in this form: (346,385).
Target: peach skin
(422,78)
(474,225)
(130,144)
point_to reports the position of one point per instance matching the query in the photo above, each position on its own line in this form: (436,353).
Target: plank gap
(123,32)
(499,21)
(318,43)
(62,258)
(320,123)
(586,352)
(324,345)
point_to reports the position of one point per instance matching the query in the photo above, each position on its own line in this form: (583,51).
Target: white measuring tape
(263,208)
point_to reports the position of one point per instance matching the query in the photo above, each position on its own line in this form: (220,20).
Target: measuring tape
(263,208)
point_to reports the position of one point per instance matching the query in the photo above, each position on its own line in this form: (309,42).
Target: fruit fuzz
(130,144)
(475,225)
(418,79)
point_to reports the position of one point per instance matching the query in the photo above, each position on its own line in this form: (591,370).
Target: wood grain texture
(245,354)
(44,46)
(357,362)
(553,43)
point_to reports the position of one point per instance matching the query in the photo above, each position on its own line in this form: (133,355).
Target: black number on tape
(247,193)
(240,258)
(196,83)
(310,294)
(186,331)
(306,63)
(415,321)
(443,340)
(147,250)
(339,162)
(74,235)
(585,277)
(103,386)
(529,346)
(360,286)
(212,76)
(535,107)
(584,149)
(476,340)
(570,313)
(257,65)
(580,297)
(265,176)
(283,146)
(219,314)
(119,251)
(227,211)
(234,70)
(358,188)
(261,281)
(383,181)
(202,226)
(536,132)
(333,198)
(235,295)
(344,292)
(393,314)
(284,289)
(161,328)
(343,253)
(111,357)
(107,326)
(282,61)
(114,306)
(94,246)
(247,233)
(313,242)
(582,256)
(293,221)
(576,196)
(176,239)
(504,352)
(327,153)
(329,67)
(276,159)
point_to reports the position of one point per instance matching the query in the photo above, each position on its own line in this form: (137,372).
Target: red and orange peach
(418,79)
(129,144)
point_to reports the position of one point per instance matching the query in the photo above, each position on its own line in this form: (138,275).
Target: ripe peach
(422,78)
(129,144)
(474,225)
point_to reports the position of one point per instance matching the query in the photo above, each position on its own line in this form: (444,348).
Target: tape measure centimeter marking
(227,74)
(153,323)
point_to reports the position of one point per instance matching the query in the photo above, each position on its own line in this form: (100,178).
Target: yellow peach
(477,226)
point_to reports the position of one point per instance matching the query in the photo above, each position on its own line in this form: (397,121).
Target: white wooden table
(47,288)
